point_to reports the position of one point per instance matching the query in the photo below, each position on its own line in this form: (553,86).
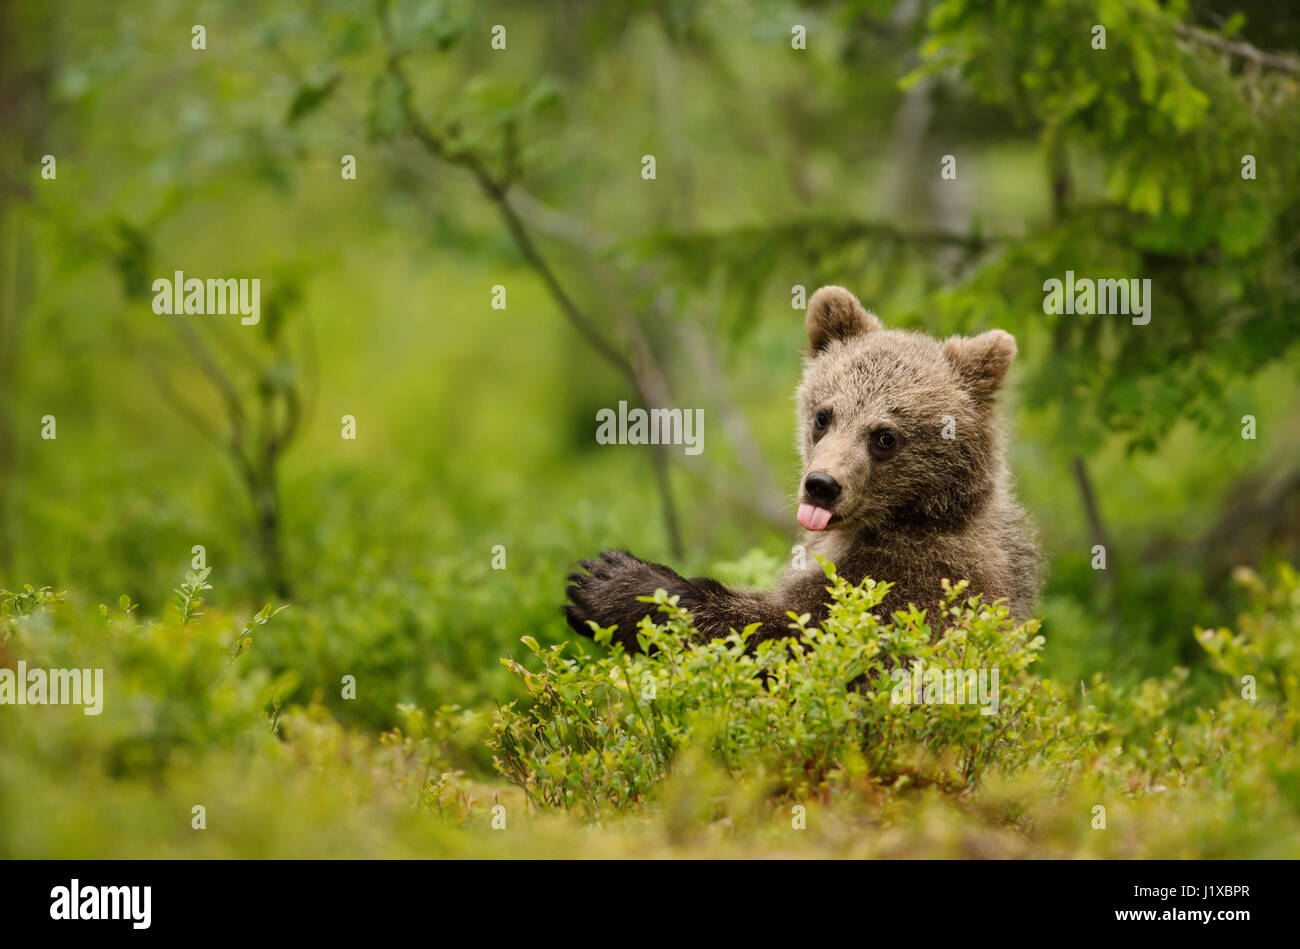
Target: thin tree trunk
(1096,526)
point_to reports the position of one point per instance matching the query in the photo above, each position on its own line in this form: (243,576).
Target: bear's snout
(821,489)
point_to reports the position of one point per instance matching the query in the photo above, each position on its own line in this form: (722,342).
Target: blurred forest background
(775,166)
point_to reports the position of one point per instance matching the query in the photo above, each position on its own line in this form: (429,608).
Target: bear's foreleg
(607,595)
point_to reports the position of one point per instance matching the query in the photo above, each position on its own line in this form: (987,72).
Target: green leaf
(310,97)
(388,102)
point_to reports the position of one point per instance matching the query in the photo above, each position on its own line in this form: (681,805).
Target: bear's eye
(885,441)
(821,420)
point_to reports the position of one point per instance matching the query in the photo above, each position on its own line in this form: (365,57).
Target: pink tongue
(813,518)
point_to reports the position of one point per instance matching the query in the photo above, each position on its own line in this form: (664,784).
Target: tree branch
(1279,62)
(496,191)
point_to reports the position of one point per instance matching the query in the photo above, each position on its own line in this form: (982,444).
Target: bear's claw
(606,593)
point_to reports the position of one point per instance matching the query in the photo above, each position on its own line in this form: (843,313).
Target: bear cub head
(896,428)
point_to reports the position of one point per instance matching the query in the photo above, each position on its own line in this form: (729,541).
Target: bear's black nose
(821,488)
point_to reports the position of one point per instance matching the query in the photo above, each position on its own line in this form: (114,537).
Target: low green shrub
(726,731)
(725,748)
(858,699)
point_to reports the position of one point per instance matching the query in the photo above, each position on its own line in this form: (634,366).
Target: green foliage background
(775,167)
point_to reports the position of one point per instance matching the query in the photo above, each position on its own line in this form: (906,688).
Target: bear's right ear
(981,361)
(834,313)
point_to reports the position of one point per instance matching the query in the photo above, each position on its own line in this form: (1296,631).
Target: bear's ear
(981,361)
(834,313)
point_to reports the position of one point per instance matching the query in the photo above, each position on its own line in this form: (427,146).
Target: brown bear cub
(903,480)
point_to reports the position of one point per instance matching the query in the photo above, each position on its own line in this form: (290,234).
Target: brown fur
(929,508)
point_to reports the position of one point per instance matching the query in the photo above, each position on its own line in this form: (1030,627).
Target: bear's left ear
(835,313)
(981,361)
